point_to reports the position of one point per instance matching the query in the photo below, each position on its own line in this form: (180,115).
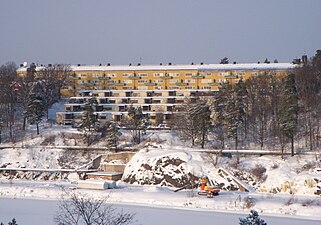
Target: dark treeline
(27,98)
(269,111)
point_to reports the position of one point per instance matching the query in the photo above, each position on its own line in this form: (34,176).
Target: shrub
(249,202)
(252,219)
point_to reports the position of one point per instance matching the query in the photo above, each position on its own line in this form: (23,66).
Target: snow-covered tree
(26,83)
(35,109)
(218,108)
(234,111)
(8,97)
(111,134)
(252,219)
(89,123)
(137,122)
(199,117)
(52,79)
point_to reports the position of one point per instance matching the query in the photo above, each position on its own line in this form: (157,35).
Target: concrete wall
(115,168)
(123,156)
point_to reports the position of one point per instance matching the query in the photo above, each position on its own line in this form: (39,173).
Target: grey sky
(154,31)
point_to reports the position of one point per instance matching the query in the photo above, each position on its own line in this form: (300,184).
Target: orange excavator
(209,191)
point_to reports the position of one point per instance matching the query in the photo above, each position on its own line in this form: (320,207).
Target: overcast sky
(154,31)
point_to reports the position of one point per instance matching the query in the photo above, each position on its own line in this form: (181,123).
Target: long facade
(160,90)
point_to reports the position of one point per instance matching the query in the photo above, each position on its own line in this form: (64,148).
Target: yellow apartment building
(159,90)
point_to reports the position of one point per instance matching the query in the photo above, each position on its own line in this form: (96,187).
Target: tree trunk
(261,135)
(24,123)
(37,129)
(292,146)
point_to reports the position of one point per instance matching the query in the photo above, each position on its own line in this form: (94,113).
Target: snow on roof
(246,66)
(204,67)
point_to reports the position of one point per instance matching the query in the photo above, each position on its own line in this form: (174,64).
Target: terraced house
(159,90)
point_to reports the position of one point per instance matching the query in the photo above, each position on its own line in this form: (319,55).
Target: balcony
(198,77)
(148,100)
(214,84)
(171,100)
(181,84)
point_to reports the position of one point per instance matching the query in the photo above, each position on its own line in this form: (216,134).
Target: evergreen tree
(35,108)
(252,219)
(234,111)
(219,109)
(26,84)
(89,123)
(111,133)
(137,122)
(289,109)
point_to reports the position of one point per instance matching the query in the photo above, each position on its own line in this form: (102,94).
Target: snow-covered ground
(283,187)
(35,212)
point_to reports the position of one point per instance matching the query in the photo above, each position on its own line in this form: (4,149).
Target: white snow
(290,177)
(241,66)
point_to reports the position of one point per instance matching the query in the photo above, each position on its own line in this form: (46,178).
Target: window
(96,75)
(189,81)
(206,81)
(142,74)
(241,73)
(224,74)
(173,74)
(142,81)
(142,88)
(111,75)
(127,81)
(173,81)
(127,74)
(158,74)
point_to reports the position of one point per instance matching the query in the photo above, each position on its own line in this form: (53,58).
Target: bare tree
(8,102)
(53,79)
(259,95)
(78,209)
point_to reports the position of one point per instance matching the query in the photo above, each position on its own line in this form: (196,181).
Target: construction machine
(209,191)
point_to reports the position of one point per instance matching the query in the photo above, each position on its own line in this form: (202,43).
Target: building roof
(204,67)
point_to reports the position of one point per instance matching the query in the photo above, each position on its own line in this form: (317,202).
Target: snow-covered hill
(162,164)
